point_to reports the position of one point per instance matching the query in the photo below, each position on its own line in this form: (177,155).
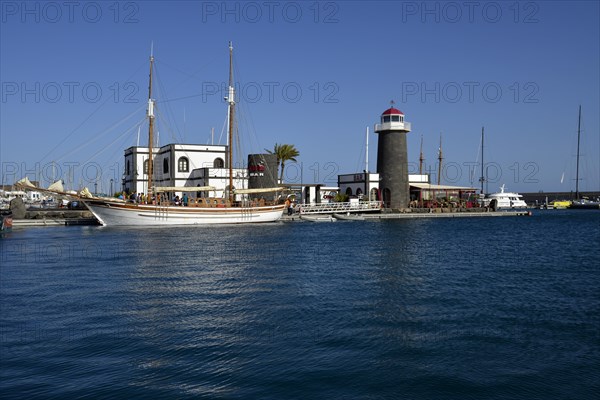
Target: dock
(23,223)
(419,215)
(72,218)
(465,214)
(54,217)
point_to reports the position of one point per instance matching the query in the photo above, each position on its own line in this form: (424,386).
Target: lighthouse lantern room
(392,119)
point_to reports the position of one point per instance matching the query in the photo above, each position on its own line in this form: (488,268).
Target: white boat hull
(318,218)
(349,217)
(505,200)
(503,204)
(128,214)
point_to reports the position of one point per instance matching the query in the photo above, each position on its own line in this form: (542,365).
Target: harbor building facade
(363,185)
(181,165)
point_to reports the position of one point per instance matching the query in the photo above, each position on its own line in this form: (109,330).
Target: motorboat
(504,200)
(349,217)
(318,218)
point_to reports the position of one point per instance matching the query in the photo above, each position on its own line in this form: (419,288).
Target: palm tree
(284,152)
(277,151)
(288,153)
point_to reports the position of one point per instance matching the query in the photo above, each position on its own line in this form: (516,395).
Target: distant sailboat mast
(367,152)
(440,158)
(577,169)
(150,125)
(482,179)
(421,158)
(231,125)
(367,188)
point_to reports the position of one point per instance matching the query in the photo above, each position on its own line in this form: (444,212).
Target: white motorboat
(318,218)
(349,217)
(504,200)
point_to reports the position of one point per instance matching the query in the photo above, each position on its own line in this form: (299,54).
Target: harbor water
(457,308)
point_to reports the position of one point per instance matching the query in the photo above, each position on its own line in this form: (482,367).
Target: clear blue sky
(74,83)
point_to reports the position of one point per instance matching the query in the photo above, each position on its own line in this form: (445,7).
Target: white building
(181,165)
(355,185)
(359,185)
(318,193)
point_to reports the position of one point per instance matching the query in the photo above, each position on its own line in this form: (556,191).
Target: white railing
(329,208)
(393,125)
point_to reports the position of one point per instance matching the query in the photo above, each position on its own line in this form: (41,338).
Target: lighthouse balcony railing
(394,125)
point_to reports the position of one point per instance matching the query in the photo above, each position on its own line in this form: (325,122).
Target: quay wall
(540,197)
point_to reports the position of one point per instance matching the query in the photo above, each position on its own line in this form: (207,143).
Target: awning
(429,186)
(259,190)
(158,189)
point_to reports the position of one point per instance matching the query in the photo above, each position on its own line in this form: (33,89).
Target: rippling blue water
(485,308)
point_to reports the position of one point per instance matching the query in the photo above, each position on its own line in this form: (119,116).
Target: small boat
(561,204)
(584,204)
(318,218)
(349,217)
(581,203)
(6,221)
(504,200)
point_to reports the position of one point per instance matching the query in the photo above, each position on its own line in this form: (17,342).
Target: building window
(183,164)
(165,166)
(395,118)
(146,167)
(386,118)
(127,168)
(359,192)
(349,191)
(402,118)
(374,194)
(219,163)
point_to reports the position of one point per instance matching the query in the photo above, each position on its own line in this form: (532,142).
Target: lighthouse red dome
(393,111)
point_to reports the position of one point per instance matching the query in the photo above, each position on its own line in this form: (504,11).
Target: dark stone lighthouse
(392,159)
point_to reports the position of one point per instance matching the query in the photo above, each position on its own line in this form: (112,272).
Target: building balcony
(393,126)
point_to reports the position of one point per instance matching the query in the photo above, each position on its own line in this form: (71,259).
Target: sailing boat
(581,203)
(227,210)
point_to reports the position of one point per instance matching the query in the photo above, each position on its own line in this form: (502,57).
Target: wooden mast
(231,125)
(577,168)
(150,129)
